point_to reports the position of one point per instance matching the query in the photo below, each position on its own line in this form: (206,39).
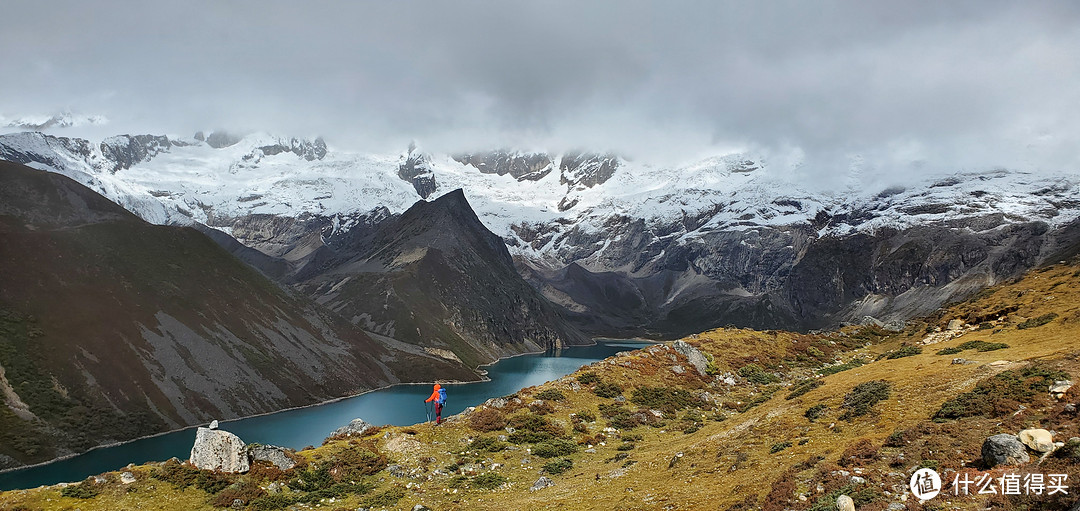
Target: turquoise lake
(399,405)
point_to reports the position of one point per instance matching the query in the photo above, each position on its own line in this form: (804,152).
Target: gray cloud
(957,84)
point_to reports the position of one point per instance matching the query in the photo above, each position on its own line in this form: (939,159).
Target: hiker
(438,395)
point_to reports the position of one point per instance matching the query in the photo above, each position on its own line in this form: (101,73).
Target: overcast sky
(958,84)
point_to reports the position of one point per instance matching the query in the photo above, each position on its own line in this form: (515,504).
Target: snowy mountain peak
(60,120)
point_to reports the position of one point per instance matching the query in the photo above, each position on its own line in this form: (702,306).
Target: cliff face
(787,278)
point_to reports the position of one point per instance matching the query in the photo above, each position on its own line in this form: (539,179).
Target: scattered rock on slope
(279,456)
(696,358)
(1039,440)
(1004,449)
(357,426)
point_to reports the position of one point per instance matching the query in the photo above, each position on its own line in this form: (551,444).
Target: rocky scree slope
(778,420)
(113,328)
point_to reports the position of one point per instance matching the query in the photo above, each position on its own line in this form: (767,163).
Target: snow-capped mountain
(45,122)
(732,226)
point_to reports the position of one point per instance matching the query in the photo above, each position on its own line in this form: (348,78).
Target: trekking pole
(427,409)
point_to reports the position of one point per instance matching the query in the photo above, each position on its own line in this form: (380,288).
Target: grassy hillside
(783,421)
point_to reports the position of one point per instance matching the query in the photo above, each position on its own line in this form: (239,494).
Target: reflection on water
(397,405)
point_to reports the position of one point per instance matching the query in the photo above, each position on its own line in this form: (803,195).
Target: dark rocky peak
(220,139)
(520,166)
(447,224)
(309,150)
(46,199)
(415,167)
(126,151)
(36,147)
(587,169)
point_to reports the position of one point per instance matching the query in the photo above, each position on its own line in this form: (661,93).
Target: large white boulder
(216,449)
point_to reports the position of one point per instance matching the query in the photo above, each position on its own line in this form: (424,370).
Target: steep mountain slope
(777,420)
(626,247)
(433,276)
(111,328)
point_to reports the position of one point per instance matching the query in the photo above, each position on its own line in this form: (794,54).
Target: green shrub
(587,378)
(83,490)
(710,367)
(536,424)
(388,498)
(861,494)
(826,371)
(626,446)
(558,467)
(1000,394)
(815,412)
(802,388)
(1039,321)
(488,481)
(488,444)
(779,446)
(904,351)
(554,447)
(551,395)
(584,415)
(667,400)
(609,390)
(814,352)
(863,397)
(981,346)
(756,374)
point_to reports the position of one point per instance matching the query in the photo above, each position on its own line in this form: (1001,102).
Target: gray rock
(858,480)
(896,325)
(678,369)
(693,355)
(1070,408)
(955,325)
(355,427)
(496,402)
(214,424)
(127,478)
(1059,388)
(274,488)
(870,320)
(279,456)
(420,507)
(396,470)
(542,483)
(896,506)
(217,449)
(844,503)
(1004,449)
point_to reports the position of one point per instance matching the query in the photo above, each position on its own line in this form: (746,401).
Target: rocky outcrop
(845,503)
(126,151)
(221,139)
(219,450)
(356,427)
(694,355)
(521,166)
(415,167)
(278,456)
(1004,449)
(542,483)
(1059,388)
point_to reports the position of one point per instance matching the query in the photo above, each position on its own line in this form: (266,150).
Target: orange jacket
(434,394)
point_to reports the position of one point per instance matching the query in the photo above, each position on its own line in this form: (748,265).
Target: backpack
(442,397)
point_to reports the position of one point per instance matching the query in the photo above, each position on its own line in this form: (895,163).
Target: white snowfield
(197,183)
